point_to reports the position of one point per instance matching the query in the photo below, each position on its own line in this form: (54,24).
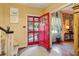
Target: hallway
(63,49)
(32,26)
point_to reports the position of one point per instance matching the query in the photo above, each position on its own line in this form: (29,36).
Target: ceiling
(68,9)
(38,5)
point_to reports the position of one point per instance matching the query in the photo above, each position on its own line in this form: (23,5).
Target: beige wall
(1,15)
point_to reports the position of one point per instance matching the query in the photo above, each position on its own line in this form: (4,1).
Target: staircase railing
(6,45)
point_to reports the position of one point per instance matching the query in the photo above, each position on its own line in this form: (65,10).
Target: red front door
(44,28)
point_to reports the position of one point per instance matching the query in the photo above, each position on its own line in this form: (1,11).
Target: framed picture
(14,15)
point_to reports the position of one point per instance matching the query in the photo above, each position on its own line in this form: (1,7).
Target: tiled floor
(64,49)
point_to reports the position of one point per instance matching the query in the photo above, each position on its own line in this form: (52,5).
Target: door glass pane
(30,26)
(36,24)
(36,19)
(36,36)
(42,24)
(30,37)
(30,19)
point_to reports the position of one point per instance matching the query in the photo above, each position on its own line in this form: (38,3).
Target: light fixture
(67,27)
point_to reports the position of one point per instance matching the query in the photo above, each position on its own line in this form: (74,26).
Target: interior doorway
(62,30)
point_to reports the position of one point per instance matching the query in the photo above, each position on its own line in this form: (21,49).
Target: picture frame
(14,15)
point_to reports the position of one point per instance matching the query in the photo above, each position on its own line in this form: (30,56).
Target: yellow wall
(20,33)
(1,15)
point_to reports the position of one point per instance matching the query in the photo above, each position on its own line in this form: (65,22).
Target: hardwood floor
(62,49)
(65,48)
